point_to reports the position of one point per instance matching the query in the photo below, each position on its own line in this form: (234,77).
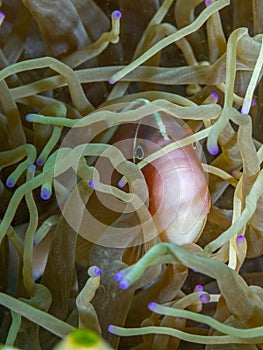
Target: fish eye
(139,152)
(195,144)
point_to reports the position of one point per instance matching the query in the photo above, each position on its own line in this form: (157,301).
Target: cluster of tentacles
(82,264)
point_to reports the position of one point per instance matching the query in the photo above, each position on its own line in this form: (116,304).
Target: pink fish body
(178,193)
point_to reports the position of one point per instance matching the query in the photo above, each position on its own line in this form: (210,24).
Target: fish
(179,200)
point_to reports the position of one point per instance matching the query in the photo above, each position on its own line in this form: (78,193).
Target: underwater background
(131,183)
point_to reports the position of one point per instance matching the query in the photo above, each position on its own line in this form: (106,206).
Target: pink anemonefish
(178,193)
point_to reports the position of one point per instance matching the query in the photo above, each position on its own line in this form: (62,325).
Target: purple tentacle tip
(214,95)
(45,193)
(29,118)
(152,305)
(97,271)
(207,2)
(32,167)
(240,239)
(40,161)
(110,328)
(254,102)
(112,81)
(244,110)
(2,17)
(118,276)
(199,288)
(120,184)
(124,284)
(91,184)
(213,150)
(116,14)
(204,298)
(10,182)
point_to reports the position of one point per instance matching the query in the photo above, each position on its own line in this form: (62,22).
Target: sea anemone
(131,185)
